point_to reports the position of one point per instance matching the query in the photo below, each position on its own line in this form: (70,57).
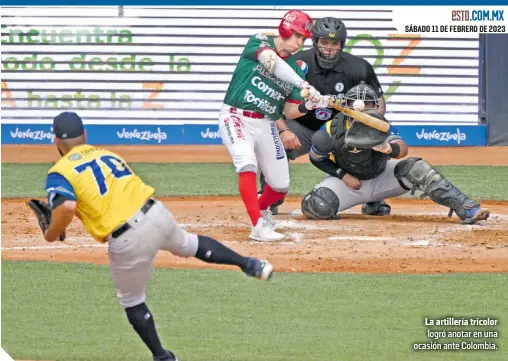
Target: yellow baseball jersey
(106,190)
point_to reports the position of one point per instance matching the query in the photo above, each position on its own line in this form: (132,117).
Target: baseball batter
(118,208)
(332,71)
(266,82)
(357,176)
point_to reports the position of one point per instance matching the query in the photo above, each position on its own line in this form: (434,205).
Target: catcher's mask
(362,92)
(334,31)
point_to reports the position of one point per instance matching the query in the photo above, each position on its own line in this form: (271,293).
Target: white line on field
(420,243)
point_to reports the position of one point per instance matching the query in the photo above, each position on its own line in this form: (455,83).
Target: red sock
(269,197)
(248,191)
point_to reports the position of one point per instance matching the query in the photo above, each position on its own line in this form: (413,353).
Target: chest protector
(361,163)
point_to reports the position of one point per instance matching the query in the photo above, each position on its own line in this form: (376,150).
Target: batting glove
(314,95)
(321,103)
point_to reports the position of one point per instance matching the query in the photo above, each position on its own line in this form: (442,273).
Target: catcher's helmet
(295,20)
(363,92)
(332,29)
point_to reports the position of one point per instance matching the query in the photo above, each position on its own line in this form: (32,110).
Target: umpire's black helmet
(332,29)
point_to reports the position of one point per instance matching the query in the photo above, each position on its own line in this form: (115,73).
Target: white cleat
(264,232)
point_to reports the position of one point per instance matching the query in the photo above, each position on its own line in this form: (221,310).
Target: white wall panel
(192,51)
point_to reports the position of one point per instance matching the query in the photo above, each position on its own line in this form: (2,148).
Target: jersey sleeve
(58,185)
(373,81)
(322,145)
(295,96)
(255,45)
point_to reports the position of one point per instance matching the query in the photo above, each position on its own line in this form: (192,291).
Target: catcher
(363,165)
(118,208)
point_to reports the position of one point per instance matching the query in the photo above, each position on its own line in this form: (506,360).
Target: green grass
(69,312)
(27,180)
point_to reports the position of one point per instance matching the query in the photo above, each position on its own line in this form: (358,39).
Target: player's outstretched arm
(295,108)
(61,217)
(275,65)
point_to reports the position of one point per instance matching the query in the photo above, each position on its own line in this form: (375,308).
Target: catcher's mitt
(43,214)
(362,136)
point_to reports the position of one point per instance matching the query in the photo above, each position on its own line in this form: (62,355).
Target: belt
(246,113)
(126,226)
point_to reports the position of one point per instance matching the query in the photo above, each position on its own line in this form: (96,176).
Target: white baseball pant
(255,143)
(132,254)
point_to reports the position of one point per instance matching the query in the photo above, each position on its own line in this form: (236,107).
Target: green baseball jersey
(253,88)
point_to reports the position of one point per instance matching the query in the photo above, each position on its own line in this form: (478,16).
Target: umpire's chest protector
(361,163)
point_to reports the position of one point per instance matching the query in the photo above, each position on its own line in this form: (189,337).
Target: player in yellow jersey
(118,208)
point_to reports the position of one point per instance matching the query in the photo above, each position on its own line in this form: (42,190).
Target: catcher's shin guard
(425,177)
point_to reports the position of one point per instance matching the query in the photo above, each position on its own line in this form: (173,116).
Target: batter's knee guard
(321,203)
(425,177)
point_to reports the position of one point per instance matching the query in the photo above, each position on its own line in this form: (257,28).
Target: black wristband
(340,173)
(395,150)
(283,130)
(302,108)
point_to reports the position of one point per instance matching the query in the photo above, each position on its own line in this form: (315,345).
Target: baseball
(359,105)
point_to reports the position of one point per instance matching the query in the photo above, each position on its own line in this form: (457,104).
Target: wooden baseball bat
(360,116)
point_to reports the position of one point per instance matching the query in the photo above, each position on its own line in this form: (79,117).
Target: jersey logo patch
(279,148)
(339,87)
(75,156)
(303,65)
(323,113)
(354,150)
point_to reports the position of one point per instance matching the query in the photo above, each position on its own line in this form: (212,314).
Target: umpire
(333,72)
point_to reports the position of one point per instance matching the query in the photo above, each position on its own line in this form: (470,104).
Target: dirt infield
(417,238)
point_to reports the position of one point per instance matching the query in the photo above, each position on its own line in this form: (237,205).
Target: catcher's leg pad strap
(423,175)
(320,203)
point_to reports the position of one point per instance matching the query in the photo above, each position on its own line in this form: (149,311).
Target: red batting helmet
(296,20)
